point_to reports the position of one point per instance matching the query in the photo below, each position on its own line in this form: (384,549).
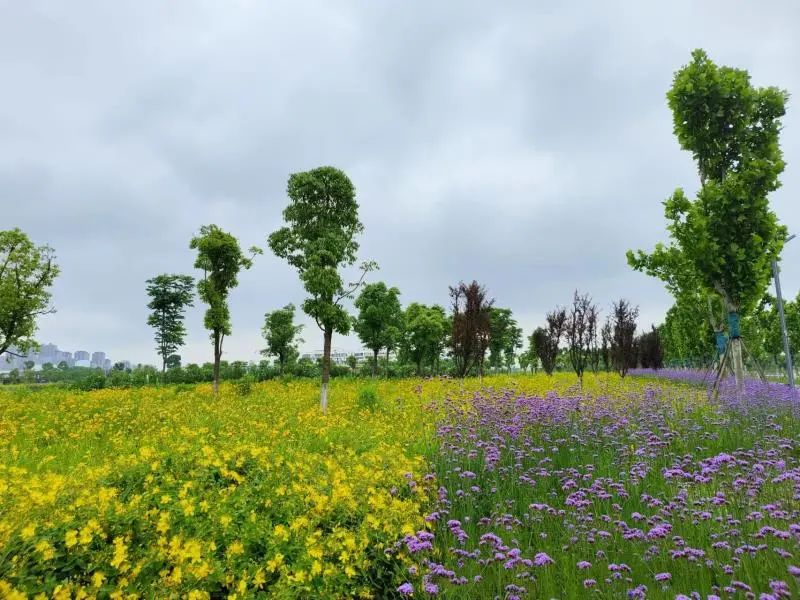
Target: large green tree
(281,335)
(379,318)
(170,295)
(221,259)
(728,234)
(504,337)
(319,239)
(26,274)
(424,334)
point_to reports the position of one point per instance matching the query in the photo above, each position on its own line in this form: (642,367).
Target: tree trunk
(375,363)
(326,369)
(217,356)
(736,349)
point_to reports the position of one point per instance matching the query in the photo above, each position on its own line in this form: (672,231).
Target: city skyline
(51,353)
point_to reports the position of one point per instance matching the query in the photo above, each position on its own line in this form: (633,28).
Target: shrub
(367,398)
(243,387)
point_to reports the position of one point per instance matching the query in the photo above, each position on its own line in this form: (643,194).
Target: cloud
(524,145)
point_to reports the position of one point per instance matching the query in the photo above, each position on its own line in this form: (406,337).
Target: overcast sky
(524,147)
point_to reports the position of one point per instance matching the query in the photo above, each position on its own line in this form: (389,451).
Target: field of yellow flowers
(170,492)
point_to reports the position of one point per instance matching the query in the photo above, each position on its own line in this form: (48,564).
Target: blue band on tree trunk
(722,341)
(733,325)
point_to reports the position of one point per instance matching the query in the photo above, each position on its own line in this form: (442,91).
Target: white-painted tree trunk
(323,398)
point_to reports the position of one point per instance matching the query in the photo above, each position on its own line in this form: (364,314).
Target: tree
(170,295)
(650,350)
(728,234)
(581,332)
(425,328)
(623,349)
(545,341)
(504,337)
(607,341)
(26,274)
(318,239)
(281,335)
(352,362)
(221,259)
(379,318)
(174,361)
(524,361)
(471,331)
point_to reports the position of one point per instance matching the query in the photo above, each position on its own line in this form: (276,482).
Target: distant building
(81,355)
(107,364)
(338,357)
(98,359)
(83,363)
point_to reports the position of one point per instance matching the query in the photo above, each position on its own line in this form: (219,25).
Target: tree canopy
(379,320)
(221,259)
(26,274)
(170,295)
(281,335)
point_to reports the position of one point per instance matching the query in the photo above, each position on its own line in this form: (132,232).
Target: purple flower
(584,564)
(663,576)
(406,589)
(541,559)
(431,588)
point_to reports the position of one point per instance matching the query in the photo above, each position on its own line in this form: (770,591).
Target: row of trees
(587,344)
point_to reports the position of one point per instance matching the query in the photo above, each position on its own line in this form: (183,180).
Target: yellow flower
(98,578)
(274,563)
(120,555)
(28,531)
(71,538)
(225,520)
(45,549)
(236,548)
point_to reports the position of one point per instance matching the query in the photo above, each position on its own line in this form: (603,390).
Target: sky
(526,145)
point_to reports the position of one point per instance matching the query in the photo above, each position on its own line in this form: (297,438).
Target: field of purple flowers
(646,491)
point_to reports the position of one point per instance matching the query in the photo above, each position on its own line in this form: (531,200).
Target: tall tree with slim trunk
(170,295)
(26,274)
(623,347)
(728,233)
(504,337)
(221,259)
(318,240)
(471,332)
(379,318)
(545,340)
(581,332)
(281,335)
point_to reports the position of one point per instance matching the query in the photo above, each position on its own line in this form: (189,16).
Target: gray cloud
(527,146)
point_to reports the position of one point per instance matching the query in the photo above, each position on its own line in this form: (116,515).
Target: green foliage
(281,333)
(170,295)
(26,274)
(504,338)
(244,386)
(380,318)
(220,258)
(425,332)
(726,238)
(367,398)
(319,239)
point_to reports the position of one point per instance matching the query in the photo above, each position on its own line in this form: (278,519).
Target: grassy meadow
(511,487)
